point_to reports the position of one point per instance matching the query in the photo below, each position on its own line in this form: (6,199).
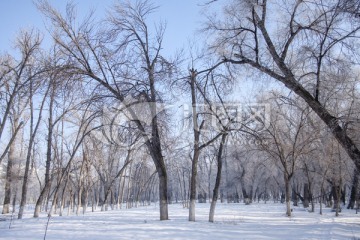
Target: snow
(232,221)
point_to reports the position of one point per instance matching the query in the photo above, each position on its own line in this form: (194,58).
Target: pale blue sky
(183,18)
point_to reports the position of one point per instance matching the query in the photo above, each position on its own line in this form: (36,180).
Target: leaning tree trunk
(218,178)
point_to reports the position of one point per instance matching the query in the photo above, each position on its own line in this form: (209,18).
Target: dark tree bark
(354,190)
(287,180)
(218,177)
(306,195)
(294,197)
(197,148)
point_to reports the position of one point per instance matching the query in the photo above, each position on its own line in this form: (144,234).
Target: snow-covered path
(233,221)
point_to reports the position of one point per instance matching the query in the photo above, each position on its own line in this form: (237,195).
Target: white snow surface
(232,221)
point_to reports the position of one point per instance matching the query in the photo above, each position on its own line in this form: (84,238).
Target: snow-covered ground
(232,221)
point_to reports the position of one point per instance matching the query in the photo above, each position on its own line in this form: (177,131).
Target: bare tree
(84,120)
(122,60)
(34,86)
(19,75)
(317,45)
(57,81)
(286,140)
(197,146)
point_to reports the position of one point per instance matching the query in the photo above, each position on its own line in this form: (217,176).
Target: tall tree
(34,86)
(197,146)
(317,44)
(286,140)
(122,60)
(17,78)
(57,84)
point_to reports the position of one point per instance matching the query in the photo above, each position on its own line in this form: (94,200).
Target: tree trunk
(193,185)
(196,149)
(63,196)
(33,132)
(70,203)
(162,174)
(321,198)
(336,194)
(306,195)
(85,202)
(25,181)
(228,181)
(294,197)
(9,168)
(354,190)
(246,197)
(40,199)
(47,183)
(79,196)
(121,198)
(81,183)
(163,196)
(9,177)
(218,179)
(287,194)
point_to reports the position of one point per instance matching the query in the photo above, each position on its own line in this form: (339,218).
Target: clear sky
(182,16)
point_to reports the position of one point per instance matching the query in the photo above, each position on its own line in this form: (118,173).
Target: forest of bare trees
(103,119)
